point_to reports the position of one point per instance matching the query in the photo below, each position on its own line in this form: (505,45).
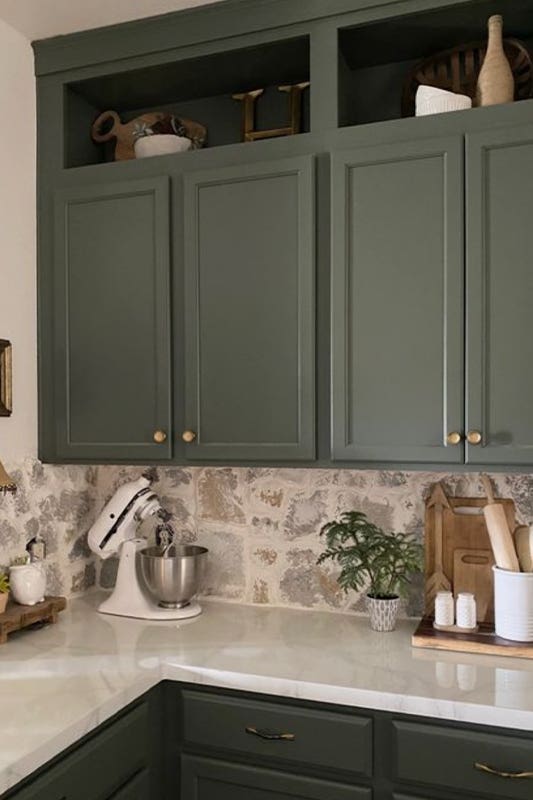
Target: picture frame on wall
(6,378)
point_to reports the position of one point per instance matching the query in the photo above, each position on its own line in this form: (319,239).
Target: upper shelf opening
(375,59)
(200,89)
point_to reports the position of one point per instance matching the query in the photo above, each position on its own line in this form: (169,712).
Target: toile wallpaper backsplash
(261,525)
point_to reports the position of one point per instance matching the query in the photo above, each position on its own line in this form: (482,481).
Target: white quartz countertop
(60,682)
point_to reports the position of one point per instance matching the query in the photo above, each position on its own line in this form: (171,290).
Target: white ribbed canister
(513,605)
(444,610)
(466,611)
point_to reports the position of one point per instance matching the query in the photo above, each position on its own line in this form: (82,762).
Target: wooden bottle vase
(496,81)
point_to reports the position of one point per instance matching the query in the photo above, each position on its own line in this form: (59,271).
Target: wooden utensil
(438,581)
(523,537)
(472,572)
(501,539)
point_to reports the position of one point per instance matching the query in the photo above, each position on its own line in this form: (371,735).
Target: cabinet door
(111,334)
(250,311)
(500,296)
(137,788)
(208,779)
(397,302)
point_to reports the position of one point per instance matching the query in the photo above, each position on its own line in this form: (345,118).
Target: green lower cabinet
(250,312)
(109,324)
(397,302)
(500,295)
(210,779)
(137,788)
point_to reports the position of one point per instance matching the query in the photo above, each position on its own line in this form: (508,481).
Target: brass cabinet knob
(160,437)
(454,438)
(473,437)
(188,436)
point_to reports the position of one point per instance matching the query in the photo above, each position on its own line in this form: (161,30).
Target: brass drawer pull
(267,733)
(499,773)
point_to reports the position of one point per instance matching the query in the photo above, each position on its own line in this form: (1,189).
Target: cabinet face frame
(343,448)
(302,170)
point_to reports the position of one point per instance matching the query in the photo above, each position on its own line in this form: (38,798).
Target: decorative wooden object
(17,617)
(482,642)
(495,83)
(457,71)
(248,99)
(463,528)
(6,378)
(7,484)
(437,581)
(109,126)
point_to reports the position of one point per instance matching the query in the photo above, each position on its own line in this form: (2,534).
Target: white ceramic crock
(430,100)
(28,583)
(161,144)
(513,605)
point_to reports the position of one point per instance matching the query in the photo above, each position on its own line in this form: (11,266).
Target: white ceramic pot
(430,100)
(161,144)
(383,613)
(513,605)
(28,584)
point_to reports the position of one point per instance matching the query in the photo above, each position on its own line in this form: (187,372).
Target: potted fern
(367,556)
(4,591)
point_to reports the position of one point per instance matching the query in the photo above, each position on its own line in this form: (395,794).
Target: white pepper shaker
(466,611)
(444,610)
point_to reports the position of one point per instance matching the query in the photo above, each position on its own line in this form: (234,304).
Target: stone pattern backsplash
(59,503)
(261,525)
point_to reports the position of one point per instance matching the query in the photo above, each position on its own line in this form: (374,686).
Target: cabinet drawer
(209,779)
(444,757)
(324,740)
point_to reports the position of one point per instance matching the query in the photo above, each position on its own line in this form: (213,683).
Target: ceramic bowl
(161,144)
(430,100)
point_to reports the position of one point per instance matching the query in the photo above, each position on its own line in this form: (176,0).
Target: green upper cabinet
(397,302)
(250,311)
(500,296)
(111,338)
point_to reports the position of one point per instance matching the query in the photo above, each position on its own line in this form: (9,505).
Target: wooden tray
(484,641)
(17,617)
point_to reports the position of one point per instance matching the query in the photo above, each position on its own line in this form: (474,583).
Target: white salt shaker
(444,610)
(466,611)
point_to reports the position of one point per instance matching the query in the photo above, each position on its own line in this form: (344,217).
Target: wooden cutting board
(472,572)
(463,528)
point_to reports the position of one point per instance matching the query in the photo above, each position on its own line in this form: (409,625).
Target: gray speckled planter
(383,613)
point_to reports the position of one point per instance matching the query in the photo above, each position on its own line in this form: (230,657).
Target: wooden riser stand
(16,617)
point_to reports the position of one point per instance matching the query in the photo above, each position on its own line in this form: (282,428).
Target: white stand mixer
(115,531)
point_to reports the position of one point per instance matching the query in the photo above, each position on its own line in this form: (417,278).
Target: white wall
(18,433)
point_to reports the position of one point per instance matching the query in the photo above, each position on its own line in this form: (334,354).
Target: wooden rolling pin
(501,539)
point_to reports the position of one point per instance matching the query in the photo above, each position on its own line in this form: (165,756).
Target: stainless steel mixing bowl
(176,577)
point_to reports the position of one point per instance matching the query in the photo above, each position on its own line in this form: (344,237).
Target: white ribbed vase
(383,613)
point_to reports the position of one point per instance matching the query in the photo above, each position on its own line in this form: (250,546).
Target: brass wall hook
(7,484)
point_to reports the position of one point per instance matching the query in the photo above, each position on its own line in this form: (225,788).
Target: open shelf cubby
(199,89)
(375,58)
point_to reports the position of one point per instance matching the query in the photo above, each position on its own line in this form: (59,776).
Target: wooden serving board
(484,641)
(16,617)
(461,531)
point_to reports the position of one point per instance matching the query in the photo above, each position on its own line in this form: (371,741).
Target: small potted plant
(367,556)
(4,591)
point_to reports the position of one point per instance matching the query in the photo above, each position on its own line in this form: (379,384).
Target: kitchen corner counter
(60,682)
